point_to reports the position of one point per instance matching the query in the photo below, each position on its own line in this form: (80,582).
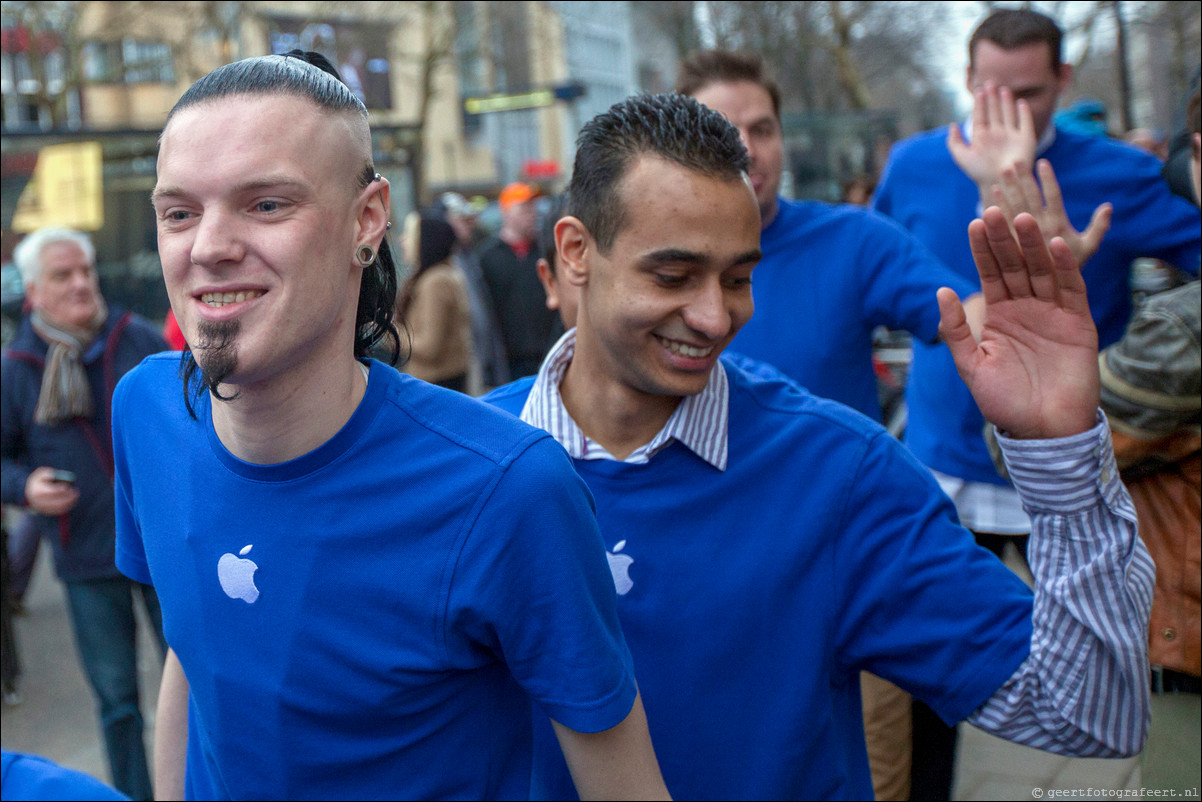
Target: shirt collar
(700,422)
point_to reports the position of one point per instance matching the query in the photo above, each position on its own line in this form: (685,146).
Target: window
(147,62)
(472,78)
(130,61)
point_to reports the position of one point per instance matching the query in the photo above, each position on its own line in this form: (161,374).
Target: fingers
(1051,188)
(1007,254)
(1071,291)
(1021,191)
(980,109)
(1003,194)
(955,332)
(1026,268)
(1026,120)
(956,144)
(1006,111)
(992,286)
(1091,239)
(48,497)
(993,105)
(1029,188)
(1040,276)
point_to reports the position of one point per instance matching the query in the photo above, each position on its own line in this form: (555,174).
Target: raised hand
(1003,134)
(1034,373)
(1017,192)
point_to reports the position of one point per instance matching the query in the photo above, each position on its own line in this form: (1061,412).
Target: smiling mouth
(216,300)
(681,349)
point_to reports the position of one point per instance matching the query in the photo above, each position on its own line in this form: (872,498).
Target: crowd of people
(669,550)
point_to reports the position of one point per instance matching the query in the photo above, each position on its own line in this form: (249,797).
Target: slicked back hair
(309,75)
(672,127)
(1011,28)
(704,67)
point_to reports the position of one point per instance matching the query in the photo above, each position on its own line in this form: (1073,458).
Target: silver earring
(376,177)
(365,255)
(388,226)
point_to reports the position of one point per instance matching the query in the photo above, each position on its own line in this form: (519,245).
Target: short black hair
(309,75)
(1011,28)
(704,67)
(672,127)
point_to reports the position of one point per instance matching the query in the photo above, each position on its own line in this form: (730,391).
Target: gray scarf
(65,393)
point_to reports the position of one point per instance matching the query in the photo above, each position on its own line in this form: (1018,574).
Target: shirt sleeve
(1083,690)
(1157,222)
(918,602)
(900,277)
(533,586)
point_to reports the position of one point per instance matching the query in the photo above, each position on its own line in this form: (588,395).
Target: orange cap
(517,192)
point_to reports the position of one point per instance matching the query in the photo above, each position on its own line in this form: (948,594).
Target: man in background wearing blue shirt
(936,182)
(831,273)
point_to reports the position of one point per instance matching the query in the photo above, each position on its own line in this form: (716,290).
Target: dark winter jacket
(83,539)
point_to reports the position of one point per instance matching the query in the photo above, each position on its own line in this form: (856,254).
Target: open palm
(1017,193)
(1003,134)
(1034,373)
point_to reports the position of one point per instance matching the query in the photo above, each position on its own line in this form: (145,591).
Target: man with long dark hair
(365,578)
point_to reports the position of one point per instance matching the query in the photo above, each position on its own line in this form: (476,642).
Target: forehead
(741,102)
(244,136)
(1024,65)
(63,254)
(666,205)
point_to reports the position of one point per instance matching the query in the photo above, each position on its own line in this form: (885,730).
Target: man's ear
(547,279)
(575,245)
(1064,77)
(372,220)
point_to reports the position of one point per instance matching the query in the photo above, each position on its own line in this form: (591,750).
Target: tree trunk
(849,74)
(1120,42)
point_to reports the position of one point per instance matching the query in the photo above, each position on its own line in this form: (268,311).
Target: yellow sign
(530,100)
(67,189)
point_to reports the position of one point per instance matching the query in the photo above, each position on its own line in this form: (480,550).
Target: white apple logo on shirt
(237,576)
(619,566)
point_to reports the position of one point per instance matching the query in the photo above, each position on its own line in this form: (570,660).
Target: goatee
(216,353)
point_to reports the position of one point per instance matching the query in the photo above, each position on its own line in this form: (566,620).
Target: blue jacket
(83,539)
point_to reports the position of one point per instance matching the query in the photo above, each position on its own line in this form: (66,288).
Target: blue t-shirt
(757,594)
(29,777)
(926,192)
(830,275)
(420,578)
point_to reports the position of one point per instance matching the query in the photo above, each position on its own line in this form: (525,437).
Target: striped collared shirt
(699,422)
(1093,576)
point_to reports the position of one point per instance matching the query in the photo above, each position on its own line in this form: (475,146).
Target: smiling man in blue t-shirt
(365,579)
(767,545)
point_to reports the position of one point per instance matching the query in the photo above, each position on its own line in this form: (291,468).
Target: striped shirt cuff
(1065,475)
